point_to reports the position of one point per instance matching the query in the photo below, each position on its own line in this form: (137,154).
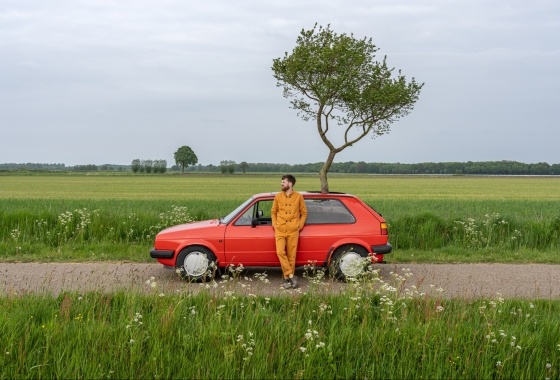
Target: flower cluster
(493,229)
(15,234)
(312,340)
(247,346)
(233,271)
(151,282)
(473,236)
(72,224)
(177,215)
(313,274)
(135,323)
(500,337)
(262,277)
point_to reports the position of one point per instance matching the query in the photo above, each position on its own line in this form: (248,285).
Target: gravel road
(533,281)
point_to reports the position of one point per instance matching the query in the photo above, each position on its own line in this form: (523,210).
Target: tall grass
(71,217)
(427,231)
(376,329)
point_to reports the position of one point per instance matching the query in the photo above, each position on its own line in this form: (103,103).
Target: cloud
(107,82)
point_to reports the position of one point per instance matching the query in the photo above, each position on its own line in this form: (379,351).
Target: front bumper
(161,253)
(382,249)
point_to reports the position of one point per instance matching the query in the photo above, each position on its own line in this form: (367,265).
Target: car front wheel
(348,262)
(197,264)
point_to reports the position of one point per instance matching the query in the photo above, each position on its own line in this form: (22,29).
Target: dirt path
(456,280)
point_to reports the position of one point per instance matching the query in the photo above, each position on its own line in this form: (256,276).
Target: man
(288,218)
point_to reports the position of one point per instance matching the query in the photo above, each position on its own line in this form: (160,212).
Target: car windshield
(226,219)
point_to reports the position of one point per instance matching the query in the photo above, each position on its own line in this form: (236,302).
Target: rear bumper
(382,249)
(161,254)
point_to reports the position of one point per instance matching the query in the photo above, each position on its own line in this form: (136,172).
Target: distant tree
(135,166)
(184,156)
(160,166)
(148,165)
(360,167)
(243,166)
(333,79)
(542,168)
(227,167)
(86,168)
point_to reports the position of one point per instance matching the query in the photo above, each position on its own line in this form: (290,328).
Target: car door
(328,221)
(249,238)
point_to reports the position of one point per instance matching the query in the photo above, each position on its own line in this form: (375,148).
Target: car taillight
(383,228)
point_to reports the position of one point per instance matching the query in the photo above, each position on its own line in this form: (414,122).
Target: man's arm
(302,212)
(273,212)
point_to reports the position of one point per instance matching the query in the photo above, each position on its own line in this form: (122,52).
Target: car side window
(260,210)
(327,211)
(246,218)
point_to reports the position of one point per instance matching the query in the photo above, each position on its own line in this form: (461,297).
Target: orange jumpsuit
(288,218)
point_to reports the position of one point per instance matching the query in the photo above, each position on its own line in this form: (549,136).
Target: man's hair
(290,178)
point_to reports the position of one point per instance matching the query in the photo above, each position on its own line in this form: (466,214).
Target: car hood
(183,229)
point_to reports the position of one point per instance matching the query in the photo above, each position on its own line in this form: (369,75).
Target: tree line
(360,167)
(148,166)
(32,166)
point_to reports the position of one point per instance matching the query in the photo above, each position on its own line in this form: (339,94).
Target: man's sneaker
(287,284)
(294,282)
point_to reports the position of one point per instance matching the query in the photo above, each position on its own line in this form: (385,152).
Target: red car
(339,233)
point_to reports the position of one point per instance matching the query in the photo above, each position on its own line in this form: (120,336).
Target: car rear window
(327,211)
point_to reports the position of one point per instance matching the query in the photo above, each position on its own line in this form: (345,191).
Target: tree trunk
(324,170)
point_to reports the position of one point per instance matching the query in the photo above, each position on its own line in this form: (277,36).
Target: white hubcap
(196,264)
(351,264)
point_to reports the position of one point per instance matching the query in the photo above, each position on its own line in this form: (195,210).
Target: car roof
(307,194)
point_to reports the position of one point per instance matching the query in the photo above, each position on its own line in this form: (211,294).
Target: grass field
(431,218)
(379,328)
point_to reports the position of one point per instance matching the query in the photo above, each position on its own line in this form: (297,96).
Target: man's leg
(291,252)
(281,240)
(291,249)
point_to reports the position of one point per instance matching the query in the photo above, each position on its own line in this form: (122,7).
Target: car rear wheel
(348,262)
(197,264)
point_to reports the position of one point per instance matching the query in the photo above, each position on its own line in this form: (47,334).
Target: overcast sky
(108,81)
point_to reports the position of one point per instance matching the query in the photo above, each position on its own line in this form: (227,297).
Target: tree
(160,166)
(227,166)
(135,166)
(184,156)
(334,79)
(243,165)
(148,165)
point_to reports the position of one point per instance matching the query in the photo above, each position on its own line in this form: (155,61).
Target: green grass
(431,218)
(377,329)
